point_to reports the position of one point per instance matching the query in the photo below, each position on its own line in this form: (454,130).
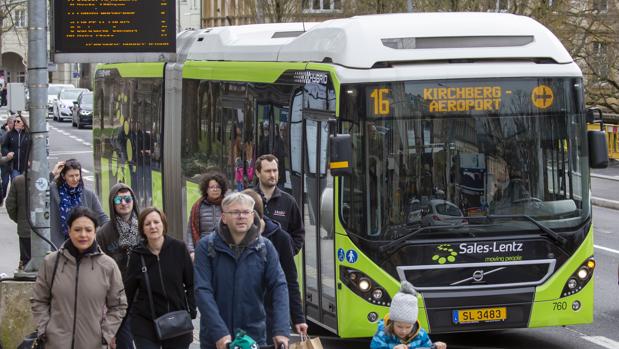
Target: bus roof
(375,40)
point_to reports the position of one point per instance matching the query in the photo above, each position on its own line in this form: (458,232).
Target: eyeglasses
(239,214)
(126,198)
(17,121)
(214,187)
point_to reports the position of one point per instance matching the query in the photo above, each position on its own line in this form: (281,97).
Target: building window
(499,5)
(600,5)
(600,61)
(322,5)
(20,18)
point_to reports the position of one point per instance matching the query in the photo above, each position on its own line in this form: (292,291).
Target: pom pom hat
(404,306)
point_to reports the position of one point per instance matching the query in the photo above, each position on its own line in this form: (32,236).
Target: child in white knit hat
(400,328)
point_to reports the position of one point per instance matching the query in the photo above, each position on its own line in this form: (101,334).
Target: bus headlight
(572,284)
(364,286)
(579,278)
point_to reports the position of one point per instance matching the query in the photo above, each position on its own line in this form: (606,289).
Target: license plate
(479,315)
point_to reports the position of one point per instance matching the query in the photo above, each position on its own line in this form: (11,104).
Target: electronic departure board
(108,31)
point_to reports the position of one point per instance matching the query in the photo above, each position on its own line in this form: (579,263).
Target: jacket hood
(113,191)
(270,227)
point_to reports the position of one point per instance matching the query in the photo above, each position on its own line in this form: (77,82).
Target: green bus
(446,149)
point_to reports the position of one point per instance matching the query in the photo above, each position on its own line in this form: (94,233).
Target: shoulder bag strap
(147,281)
(53,278)
(163,287)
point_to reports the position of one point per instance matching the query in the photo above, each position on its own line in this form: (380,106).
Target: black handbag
(173,323)
(32,340)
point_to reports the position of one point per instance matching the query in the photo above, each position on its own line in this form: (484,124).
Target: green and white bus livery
(446,149)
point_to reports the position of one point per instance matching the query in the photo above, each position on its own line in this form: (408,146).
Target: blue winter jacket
(383,340)
(230,290)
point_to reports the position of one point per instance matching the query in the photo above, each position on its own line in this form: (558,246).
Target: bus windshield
(446,154)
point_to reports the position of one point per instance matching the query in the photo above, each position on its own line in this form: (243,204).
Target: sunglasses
(17,121)
(126,198)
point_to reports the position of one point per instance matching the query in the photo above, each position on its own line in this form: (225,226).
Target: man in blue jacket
(234,268)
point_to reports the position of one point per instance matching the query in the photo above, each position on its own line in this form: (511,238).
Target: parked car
(52,94)
(442,212)
(63,106)
(82,110)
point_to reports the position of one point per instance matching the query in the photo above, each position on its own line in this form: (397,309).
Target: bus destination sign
(107,31)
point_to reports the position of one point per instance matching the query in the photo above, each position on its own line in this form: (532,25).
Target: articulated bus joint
(579,278)
(364,286)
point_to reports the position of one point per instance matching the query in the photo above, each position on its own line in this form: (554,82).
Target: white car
(52,94)
(442,212)
(63,106)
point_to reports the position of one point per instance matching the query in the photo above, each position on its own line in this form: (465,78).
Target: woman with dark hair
(67,193)
(206,211)
(17,141)
(170,278)
(78,298)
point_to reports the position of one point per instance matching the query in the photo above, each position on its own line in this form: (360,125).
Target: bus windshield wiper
(406,236)
(551,233)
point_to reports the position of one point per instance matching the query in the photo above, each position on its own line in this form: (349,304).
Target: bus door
(319,238)
(143,117)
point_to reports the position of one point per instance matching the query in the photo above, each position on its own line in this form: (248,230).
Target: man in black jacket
(283,244)
(279,205)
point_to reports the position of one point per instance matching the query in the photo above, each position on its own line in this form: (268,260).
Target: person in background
(66,193)
(78,297)
(17,141)
(279,205)
(170,272)
(234,268)
(206,211)
(283,245)
(400,329)
(117,237)
(5,167)
(17,208)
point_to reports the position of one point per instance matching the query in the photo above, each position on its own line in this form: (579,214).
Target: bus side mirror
(340,156)
(598,150)
(594,115)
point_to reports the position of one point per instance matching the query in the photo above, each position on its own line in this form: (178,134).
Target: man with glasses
(234,268)
(116,238)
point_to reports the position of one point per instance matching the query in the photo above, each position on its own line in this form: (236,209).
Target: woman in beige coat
(79,299)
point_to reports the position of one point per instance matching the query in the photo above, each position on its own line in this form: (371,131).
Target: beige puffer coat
(88,300)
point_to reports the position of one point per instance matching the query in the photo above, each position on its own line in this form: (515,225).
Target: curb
(610,178)
(605,203)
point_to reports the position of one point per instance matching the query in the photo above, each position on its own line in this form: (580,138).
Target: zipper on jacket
(77,275)
(18,150)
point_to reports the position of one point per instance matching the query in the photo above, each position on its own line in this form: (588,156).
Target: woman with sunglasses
(67,193)
(17,141)
(117,238)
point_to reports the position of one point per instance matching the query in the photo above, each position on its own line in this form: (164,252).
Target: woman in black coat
(170,272)
(17,141)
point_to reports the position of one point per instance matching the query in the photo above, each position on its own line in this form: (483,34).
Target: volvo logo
(478,275)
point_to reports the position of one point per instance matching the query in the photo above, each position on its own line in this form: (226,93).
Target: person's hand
(10,155)
(112,343)
(279,340)
(221,343)
(301,329)
(57,168)
(440,345)
(401,346)
(193,256)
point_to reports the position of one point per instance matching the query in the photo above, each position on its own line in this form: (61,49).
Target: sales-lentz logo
(493,247)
